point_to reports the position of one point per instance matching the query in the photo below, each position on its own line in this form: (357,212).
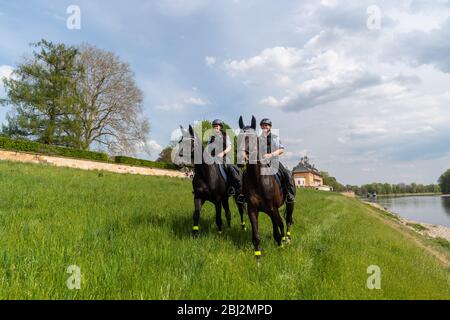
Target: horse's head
(187,145)
(247,142)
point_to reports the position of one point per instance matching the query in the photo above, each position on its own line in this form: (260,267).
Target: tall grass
(130,235)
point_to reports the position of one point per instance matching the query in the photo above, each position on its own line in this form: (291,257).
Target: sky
(360,87)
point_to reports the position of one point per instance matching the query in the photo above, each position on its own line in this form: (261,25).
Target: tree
(79,97)
(166,154)
(202,128)
(332,182)
(110,114)
(387,188)
(43,94)
(444,182)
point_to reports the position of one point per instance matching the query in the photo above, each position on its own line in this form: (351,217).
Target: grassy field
(130,235)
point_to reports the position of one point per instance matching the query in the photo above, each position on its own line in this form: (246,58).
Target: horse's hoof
(258,255)
(195,234)
(244,227)
(219,232)
(288,236)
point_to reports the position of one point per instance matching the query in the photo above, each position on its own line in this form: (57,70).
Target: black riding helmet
(265,121)
(217,122)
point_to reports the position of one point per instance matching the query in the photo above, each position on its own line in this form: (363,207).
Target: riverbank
(433,231)
(423,194)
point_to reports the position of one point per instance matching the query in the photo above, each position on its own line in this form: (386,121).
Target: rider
(222,141)
(274,149)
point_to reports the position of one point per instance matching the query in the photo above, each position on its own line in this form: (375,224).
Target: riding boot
(234,179)
(288,184)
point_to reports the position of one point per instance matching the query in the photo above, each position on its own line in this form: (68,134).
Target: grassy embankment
(130,235)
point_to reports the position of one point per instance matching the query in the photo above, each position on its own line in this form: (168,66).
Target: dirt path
(86,164)
(400,227)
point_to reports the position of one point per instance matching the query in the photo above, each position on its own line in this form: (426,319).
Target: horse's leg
(219,216)
(289,220)
(280,224)
(198,203)
(253,215)
(275,226)
(226,207)
(241,207)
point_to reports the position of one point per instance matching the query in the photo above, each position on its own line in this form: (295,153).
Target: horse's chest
(206,190)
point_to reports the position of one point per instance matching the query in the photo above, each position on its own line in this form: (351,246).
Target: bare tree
(110,115)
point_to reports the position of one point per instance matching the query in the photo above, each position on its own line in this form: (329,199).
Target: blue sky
(364,103)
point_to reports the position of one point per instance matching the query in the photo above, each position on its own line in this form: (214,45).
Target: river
(428,209)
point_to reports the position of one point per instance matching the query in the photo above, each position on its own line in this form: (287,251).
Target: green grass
(443,243)
(416,226)
(130,235)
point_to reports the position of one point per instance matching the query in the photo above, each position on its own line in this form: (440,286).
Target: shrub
(417,226)
(442,242)
(144,163)
(36,147)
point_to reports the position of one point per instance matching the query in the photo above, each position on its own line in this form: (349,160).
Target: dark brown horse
(261,190)
(208,183)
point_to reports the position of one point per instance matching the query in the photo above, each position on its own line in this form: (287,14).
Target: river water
(428,209)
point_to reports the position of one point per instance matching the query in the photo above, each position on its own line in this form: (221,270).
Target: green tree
(444,182)
(332,182)
(387,188)
(43,94)
(166,154)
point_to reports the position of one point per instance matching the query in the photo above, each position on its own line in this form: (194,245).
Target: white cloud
(153,147)
(307,76)
(179,106)
(275,59)
(196,101)
(210,61)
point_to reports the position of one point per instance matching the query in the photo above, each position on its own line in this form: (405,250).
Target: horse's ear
(241,123)
(191,131)
(184,133)
(253,123)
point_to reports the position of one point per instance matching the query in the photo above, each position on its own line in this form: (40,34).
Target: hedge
(36,147)
(144,163)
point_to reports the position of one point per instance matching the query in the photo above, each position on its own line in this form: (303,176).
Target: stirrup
(240,199)
(231,191)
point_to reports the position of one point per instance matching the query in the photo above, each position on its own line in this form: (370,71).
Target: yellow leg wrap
(257,253)
(283,239)
(195,228)
(288,233)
